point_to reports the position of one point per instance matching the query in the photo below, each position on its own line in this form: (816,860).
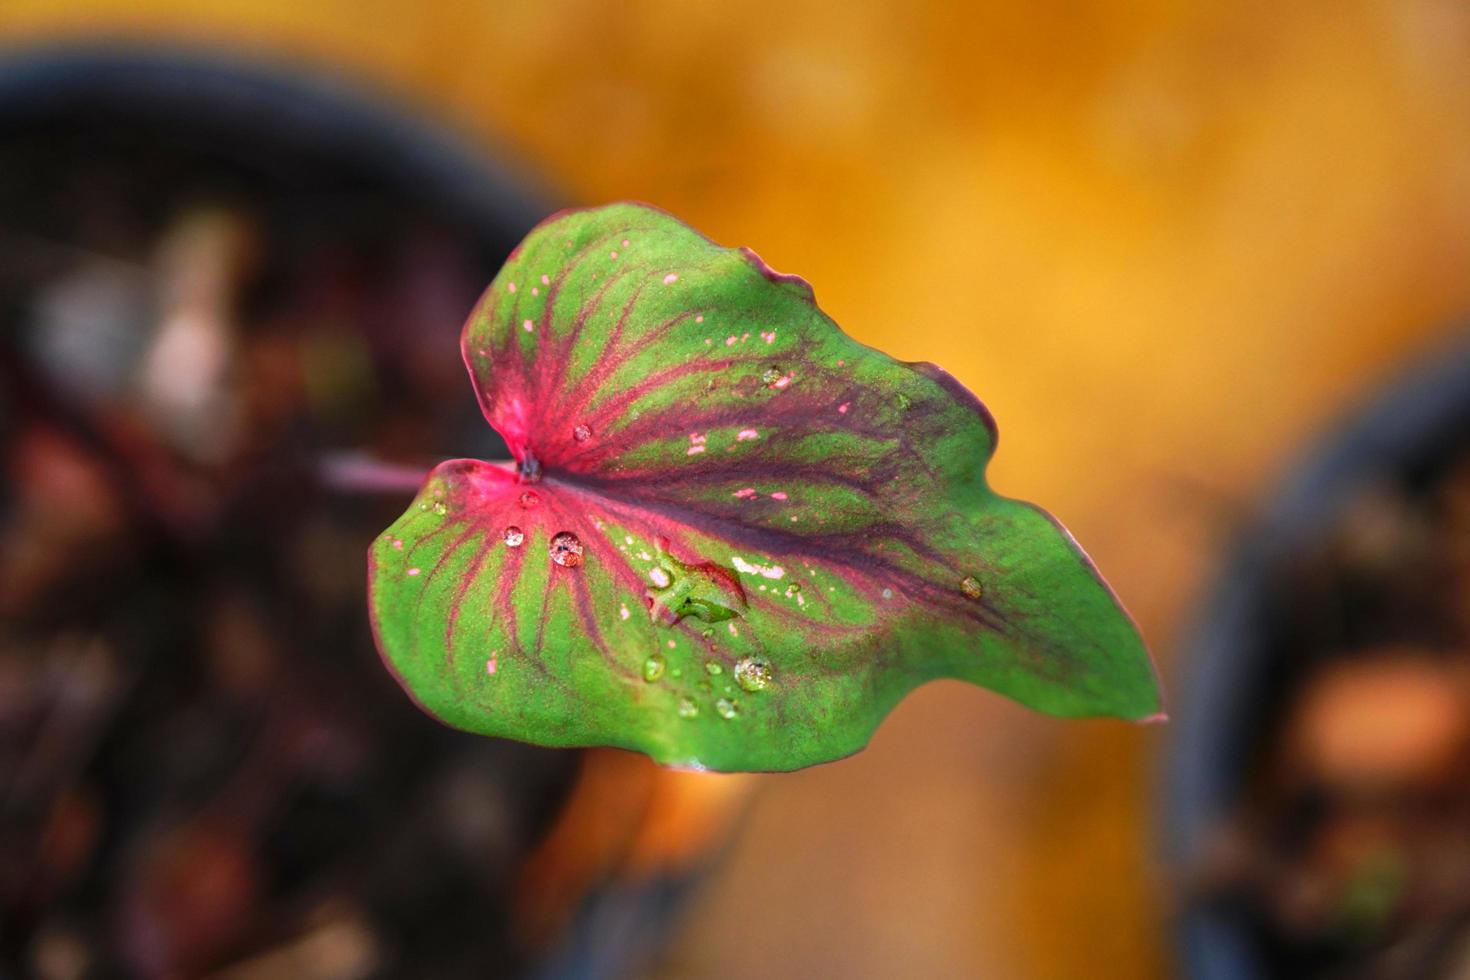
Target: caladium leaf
(731,537)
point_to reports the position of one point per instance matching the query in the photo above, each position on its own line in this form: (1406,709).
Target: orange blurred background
(1165,242)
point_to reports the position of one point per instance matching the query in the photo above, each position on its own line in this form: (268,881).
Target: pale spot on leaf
(751,568)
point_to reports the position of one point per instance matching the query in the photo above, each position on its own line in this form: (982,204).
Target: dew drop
(771,375)
(970,586)
(566,549)
(753,673)
(440,508)
(726,708)
(653,667)
(687,708)
(660,577)
(714,668)
(793,589)
(530,498)
(581,433)
(423,505)
(514,536)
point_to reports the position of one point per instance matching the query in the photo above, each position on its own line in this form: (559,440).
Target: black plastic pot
(325,159)
(1234,663)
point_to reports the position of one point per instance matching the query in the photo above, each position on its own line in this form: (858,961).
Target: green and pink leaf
(732,537)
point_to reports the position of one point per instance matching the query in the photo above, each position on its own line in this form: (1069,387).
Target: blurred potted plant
(1317,806)
(213,276)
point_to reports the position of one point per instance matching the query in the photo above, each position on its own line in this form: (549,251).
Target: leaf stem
(354,472)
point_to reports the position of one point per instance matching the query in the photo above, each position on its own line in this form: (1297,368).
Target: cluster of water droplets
(752,674)
(566,549)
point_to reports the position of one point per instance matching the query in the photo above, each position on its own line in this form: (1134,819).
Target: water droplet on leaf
(753,673)
(771,375)
(793,589)
(726,708)
(440,508)
(706,591)
(514,536)
(687,708)
(581,433)
(530,498)
(714,668)
(566,549)
(653,667)
(970,586)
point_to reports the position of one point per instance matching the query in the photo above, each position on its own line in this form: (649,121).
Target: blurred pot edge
(280,103)
(1407,422)
(317,113)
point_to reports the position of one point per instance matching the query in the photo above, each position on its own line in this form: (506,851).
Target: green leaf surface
(732,536)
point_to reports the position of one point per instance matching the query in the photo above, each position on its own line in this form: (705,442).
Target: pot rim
(309,110)
(1405,424)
